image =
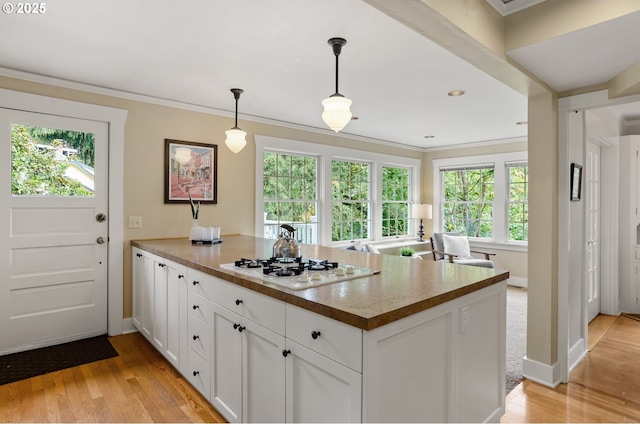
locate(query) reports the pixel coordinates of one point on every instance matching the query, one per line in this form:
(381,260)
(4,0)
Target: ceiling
(194,52)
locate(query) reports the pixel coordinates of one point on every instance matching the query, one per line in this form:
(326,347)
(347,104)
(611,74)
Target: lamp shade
(336,112)
(422,210)
(235,139)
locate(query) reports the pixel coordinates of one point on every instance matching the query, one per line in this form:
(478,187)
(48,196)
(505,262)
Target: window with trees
(346,194)
(518,213)
(395,201)
(289,191)
(351,205)
(468,200)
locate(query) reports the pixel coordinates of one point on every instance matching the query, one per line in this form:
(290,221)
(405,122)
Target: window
(290,195)
(518,213)
(468,200)
(351,207)
(485,197)
(333,195)
(395,201)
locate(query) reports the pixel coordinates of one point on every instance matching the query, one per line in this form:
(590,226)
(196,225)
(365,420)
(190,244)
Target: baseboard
(517,282)
(577,352)
(547,375)
(496,415)
(127,326)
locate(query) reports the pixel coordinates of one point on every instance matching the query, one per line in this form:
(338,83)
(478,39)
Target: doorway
(592,230)
(115,120)
(54,245)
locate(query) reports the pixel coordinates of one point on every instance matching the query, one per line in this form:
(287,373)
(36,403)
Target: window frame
(501,194)
(326,154)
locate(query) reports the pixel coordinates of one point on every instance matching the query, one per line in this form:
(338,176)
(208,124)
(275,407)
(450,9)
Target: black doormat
(21,365)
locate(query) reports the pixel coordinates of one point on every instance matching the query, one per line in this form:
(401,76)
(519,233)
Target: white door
(592,274)
(53,242)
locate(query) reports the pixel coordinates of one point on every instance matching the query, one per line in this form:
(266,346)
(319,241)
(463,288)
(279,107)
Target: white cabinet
(142,264)
(243,352)
(159,290)
(320,389)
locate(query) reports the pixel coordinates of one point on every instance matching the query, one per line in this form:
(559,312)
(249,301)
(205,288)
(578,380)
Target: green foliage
(395,201)
(37,172)
(350,184)
(83,142)
(468,201)
(407,251)
(518,203)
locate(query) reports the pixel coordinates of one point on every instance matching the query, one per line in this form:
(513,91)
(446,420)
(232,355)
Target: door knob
(101,217)
(100,240)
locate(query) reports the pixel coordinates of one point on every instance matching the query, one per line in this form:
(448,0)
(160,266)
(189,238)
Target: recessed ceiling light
(429,136)
(456,93)
(522,122)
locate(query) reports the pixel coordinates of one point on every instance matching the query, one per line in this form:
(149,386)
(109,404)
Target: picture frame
(190,168)
(576,181)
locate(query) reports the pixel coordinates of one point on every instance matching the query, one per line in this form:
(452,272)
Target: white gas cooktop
(307,278)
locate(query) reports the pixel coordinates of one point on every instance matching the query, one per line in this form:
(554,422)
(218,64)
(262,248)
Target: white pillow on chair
(456,245)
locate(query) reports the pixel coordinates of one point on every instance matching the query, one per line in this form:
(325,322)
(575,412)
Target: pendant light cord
(337,55)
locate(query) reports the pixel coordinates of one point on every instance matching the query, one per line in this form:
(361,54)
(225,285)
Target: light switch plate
(135,222)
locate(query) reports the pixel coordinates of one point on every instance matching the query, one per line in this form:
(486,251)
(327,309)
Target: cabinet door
(142,264)
(176,316)
(159,333)
(263,374)
(319,389)
(226,364)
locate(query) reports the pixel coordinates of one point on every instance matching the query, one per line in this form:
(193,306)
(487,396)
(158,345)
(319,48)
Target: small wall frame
(576,181)
(190,169)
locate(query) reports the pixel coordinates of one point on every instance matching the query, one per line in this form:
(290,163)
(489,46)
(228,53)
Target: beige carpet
(516,334)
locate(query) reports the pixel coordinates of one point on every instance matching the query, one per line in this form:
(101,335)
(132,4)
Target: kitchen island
(417,341)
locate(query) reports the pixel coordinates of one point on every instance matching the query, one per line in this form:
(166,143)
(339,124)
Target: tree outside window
(395,201)
(290,195)
(518,202)
(351,205)
(468,200)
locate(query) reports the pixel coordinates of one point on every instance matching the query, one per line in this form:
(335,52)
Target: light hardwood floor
(140,386)
(136,386)
(604,387)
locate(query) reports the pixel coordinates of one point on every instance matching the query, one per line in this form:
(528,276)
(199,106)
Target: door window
(51,162)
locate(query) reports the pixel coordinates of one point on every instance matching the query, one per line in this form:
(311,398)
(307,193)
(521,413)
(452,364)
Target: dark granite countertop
(403,287)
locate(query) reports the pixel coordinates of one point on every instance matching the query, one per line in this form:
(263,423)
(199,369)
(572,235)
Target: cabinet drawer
(199,334)
(199,373)
(333,339)
(260,308)
(200,283)
(200,307)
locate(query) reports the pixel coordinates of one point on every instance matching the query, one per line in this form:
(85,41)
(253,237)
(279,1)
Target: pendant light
(235,136)
(336,107)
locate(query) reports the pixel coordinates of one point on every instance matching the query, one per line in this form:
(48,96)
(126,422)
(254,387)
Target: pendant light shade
(235,136)
(337,113)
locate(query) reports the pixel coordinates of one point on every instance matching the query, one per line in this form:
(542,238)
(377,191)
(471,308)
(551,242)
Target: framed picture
(576,181)
(190,169)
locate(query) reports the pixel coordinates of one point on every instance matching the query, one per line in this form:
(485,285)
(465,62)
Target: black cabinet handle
(286,352)
(195,283)
(195,307)
(180,276)
(162,265)
(238,301)
(241,329)
(235,326)
(315,334)
(139,255)
(195,337)
(196,373)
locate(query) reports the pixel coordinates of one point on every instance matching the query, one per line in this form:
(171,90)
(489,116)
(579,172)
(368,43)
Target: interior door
(53,231)
(592,274)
